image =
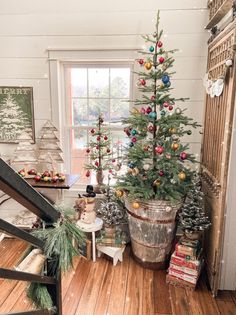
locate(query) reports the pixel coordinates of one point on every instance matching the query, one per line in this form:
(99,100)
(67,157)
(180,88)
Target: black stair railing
(17,188)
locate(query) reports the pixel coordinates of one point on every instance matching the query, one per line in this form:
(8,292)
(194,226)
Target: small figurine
(80,206)
(89,215)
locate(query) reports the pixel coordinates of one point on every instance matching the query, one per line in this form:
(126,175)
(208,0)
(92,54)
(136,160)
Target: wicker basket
(152,229)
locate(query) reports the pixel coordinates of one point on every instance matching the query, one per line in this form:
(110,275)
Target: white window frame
(61,58)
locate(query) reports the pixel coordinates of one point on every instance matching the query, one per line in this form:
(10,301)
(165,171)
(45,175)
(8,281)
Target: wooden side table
(91,228)
(115,252)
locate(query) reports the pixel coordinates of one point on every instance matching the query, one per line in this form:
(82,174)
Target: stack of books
(186,263)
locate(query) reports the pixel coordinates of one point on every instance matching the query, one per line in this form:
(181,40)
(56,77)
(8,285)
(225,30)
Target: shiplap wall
(28,28)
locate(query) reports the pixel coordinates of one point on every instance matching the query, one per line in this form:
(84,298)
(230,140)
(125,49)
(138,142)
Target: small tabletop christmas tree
(49,149)
(99,153)
(156,157)
(192,218)
(25,155)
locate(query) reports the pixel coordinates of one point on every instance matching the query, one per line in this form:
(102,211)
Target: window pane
(78,82)
(98,82)
(78,143)
(120,78)
(119,110)
(80,116)
(77,167)
(97,106)
(119,141)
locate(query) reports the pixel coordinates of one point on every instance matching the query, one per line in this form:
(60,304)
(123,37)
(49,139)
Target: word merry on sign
(16,91)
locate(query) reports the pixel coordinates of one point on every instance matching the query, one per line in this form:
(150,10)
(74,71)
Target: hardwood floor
(126,289)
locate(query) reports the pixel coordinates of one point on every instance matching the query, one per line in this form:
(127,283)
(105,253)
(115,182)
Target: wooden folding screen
(216,147)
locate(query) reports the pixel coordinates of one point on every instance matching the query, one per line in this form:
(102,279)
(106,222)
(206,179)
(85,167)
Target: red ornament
(113,160)
(159,44)
(46,174)
(87,174)
(161,173)
(148,110)
(153,98)
(143,110)
(159,149)
(183,155)
(134,139)
(55,179)
(108,150)
(98,138)
(92,130)
(141,62)
(110,171)
(165,104)
(37,178)
(97,163)
(97,147)
(161,59)
(87,150)
(142,82)
(170,107)
(105,137)
(151,128)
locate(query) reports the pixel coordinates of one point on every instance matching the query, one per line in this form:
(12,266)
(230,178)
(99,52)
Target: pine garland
(40,296)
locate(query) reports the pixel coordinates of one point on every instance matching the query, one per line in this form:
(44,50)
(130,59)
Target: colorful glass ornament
(96,163)
(166,104)
(159,44)
(183,155)
(92,130)
(142,82)
(163,113)
(131,165)
(178,111)
(170,107)
(148,110)
(119,193)
(152,115)
(161,59)
(87,174)
(134,132)
(151,49)
(87,150)
(148,65)
(135,171)
(105,138)
(189,132)
(174,146)
(108,150)
(172,130)
(159,149)
(161,173)
(151,128)
(131,144)
(134,110)
(182,175)
(157,182)
(98,138)
(135,205)
(134,139)
(143,110)
(141,62)
(165,79)
(153,98)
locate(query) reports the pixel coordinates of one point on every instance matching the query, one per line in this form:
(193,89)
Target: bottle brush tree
(157,157)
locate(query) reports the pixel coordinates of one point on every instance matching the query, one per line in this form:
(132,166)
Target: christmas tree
(99,152)
(157,160)
(49,149)
(12,120)
(192,217)
(25,155)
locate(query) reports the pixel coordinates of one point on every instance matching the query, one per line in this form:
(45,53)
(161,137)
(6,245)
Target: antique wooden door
(216,148)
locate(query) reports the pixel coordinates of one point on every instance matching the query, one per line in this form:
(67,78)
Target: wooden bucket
(152,229)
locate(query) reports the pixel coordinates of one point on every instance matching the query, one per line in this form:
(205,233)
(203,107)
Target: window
(90,90)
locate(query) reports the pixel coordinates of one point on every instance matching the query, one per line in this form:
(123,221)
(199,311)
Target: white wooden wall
(29,27)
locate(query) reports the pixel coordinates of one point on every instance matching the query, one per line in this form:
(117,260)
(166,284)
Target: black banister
(15,231)
(33,312)
(25,276)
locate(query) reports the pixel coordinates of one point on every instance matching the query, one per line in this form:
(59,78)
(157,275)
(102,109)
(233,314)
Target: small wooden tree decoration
(24,155)
(49,148)
(99,153)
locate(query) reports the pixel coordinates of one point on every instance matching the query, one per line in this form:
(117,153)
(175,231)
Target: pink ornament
(170,107)
(153,98)
(159,149)
(165,104)
(143,110)
(142,82)
(134,139)
(151,128)
(148,110)
(110,171)
(161,59)
(183,155)
(159,44)
(161,173)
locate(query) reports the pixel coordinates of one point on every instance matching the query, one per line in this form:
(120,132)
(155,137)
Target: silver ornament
(168,208)
(178,111)
(229,63)
(146,167)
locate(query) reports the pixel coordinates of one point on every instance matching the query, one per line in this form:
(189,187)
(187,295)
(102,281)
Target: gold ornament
(134,110)
(174,146)
(135,205)
(157,182)
(162,85)
(172,130)
(148,65)
(182,175)
(135,171)
(119,193)
(130,170)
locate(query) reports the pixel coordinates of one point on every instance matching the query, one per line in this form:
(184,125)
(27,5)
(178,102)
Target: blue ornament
(131,144)
(151,49)
(152,115)
(165,79)
(131,165)
(134,132)
(163,113)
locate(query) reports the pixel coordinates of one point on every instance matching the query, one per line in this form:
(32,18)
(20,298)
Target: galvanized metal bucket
(152,229)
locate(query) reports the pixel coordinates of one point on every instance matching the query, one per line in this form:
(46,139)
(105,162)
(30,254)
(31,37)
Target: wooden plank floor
(126,289)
